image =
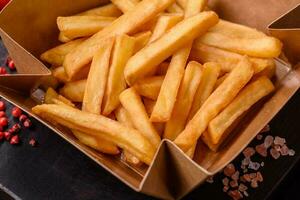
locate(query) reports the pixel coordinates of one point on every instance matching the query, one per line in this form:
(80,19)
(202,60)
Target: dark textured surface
(56,170)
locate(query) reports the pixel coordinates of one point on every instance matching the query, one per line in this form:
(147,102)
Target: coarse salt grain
(248,152)
(291,152)
(261,150)
(229,170)
(268,141)
(275,154)
(280,141)
(284,151)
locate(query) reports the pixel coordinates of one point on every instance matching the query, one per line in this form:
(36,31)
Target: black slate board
(56,170)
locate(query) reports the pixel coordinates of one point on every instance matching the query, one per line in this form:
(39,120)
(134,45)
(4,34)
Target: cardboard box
(28,28)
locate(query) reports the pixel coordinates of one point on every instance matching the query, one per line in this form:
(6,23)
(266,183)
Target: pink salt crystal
(225,188)
(254,165)
(291,152)
(246,194)
(225,181)
(277,147)
(248,152)
(262,164)
(261,150)
(259,137)
(236,176)
(252,175)
(242,187)
(259,177)
(210,179)
(254,184)
(284,151)
(229,170)
(268,141)
(275,154)
(235,194)
(279,141)
(246,161)
(233,184)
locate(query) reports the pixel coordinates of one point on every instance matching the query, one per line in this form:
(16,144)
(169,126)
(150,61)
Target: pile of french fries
(135,72)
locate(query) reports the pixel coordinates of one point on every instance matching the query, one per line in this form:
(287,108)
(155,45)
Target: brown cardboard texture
(28,28)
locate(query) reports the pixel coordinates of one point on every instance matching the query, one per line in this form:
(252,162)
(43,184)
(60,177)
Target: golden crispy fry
(162,69)
(149,87)
(264,47)
(82,26)
(63,38)
(221,80)
(97,79)
(186,93)
(123,50)
(96,143)
(56,55)
(164,23)
(210,75)
(51,96)
(74,90)
(243,101)
(174,8)
(109,10)
(228,60)
(132,102)
(153,54)
(217,101)
(126,24)
(126,138)
(125,5)
(141,40)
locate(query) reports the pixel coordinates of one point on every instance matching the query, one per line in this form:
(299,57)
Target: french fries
(51,95)
(149,87)
(127,23)
(126,138)
(56,55)
(244,100)
(211,73)
(125,5)
(186,93)
(217,101)
(164,23)
(60,74)
(74,90)
(109,10)
(228,60)
(97,79)
(153,54)
(82,26)
(174,8)
(141,40)
(131,101)
(122,51)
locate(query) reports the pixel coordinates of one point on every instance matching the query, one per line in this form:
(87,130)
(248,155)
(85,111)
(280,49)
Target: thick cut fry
(126,24)
(162,69)
(74,90)
(109,10)
(125,5)
(97,79)
(181,34)
(163,24)
(174,8)
(264,47)
(134,105)
(96,143)
(187,90)
(149,87)
(217,101)
(141,40)
(123,50)
(228,60)
(210,75)
(56,55)
(244,100)
(63,38)
(126,138)
(82,26)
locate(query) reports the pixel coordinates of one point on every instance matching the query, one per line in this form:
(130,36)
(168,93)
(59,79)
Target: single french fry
(186,93)
(56,55)
(132,102)
(97,79)
(163,24)
(125,5)
(109,10)
(174,8)
(243,101)
(126,24)
(82,26)
(156,52)
(221,80)
(228,60)
(210,75)
(215,103)
(263,47)
(122,51)
(62,38)
(149,87)
(92,124)
(96,143)
(141,40)
(60,74)
(74,90)
(162,69)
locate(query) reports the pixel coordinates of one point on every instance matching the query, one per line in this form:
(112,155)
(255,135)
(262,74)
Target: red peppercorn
(11,65)
(16,112)
(22,118)
(15,128)
(32,142)
(2,106)
(2,71)
(1,136)
(7,135)
(3,121)
(2,114)
(15,140)
(27,123)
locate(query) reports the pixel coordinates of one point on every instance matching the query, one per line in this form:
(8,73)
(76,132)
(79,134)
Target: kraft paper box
(28,28)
